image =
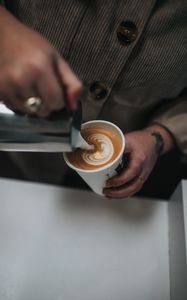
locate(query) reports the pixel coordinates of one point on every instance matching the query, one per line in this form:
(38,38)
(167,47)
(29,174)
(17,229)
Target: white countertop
(65,244)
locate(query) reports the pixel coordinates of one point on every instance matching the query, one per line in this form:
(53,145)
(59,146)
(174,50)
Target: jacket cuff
(177,126)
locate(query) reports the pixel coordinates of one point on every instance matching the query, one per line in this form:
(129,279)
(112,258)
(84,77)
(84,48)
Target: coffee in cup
(104,160)
(106,147)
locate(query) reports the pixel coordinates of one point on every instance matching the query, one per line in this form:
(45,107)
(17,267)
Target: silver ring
(33,104)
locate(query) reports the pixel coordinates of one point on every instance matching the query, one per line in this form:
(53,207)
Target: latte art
(106,148)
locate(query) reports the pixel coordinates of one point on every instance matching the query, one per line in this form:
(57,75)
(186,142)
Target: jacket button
(98,90)
(127,32)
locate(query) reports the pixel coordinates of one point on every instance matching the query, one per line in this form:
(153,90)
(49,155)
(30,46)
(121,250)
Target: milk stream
(81,143)
(104,150)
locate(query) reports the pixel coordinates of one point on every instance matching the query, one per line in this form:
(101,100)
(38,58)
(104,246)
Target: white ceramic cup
(96,178)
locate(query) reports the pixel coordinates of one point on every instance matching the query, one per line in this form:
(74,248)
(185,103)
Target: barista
(132,58)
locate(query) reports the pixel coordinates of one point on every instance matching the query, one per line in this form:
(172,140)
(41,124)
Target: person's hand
(140,146)
(31,67)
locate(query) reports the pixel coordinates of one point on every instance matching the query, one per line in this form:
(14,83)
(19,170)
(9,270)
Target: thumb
(71,84)
(128,144)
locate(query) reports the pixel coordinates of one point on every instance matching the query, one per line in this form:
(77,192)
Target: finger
(42,111)
(70,82)
(12,102)
(128,173)
(7,103)
(29,92)
(7,95)
(50,91)
(11,84)
(15,93)
(127,190)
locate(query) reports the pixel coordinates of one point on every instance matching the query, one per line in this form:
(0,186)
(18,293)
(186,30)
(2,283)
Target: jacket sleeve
(173,116)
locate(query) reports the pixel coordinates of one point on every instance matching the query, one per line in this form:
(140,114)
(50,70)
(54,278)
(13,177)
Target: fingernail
(73,105)
(72,100)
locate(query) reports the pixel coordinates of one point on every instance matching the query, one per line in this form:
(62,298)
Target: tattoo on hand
(159,145)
